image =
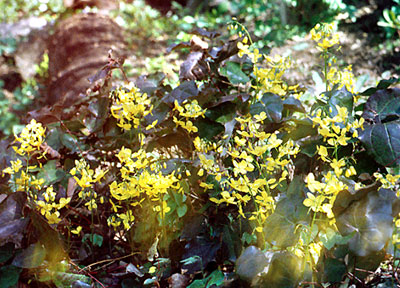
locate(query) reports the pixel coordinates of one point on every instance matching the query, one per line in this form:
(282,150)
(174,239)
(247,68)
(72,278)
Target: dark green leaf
(9,276)
(382,141)
(95,120)
(334,270)
(284,271)
(382,105)
(6,252)
(71,142)
(222,113)
(271,104)
(251,262)
(62,279)
(12,224)
(341,98)
(293,104)
(371,221)
(31,257)
(208,129)
(234,73)
(187,89)
(50,173)
(383,84)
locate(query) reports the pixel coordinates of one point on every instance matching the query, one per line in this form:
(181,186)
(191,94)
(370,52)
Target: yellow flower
(313,202)
(30,139)
(323,152)
(77,230)
(337,166)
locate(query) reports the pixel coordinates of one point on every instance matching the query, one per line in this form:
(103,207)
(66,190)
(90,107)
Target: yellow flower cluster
(48,206)
(30,139)
(189,110)
(22,178)
(270,79)
(325,36)
(335,129)
(250,152)
(87,179)
(389,181)
(142,179)
(130,107)
(342,79)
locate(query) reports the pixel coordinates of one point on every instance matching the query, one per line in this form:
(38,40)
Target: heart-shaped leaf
(31,257)
(187,89)
(370,220)
(12,224)
(234,73)
(271,104)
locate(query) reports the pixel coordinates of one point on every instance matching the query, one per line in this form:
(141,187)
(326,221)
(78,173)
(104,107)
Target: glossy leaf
(382,141)
(280,226)
(9,276)
(293,104)
(284,271)
(50,173)
(12,224)
(341,98)
(250,263)
(186,90)
(370,220)
(382,105)
(31,257)
(234,73)
(271,104)
(383,84)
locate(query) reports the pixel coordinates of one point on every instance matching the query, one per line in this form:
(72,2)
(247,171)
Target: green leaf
(271,104)
(382,141)
(62,279)
(341,98)
(284,271)
(50,173)
(97,116)
(12,224)
(293,104)
(31,257)
(234,73)
(370,220)
(382,105)
(208,129)
(9,276)
(251,262)
(96,239)
(381,137)
(334,270)
(280,226)
(71,142)
(187,89)
(215,278)
(383,84)
(222,113)
(181,210)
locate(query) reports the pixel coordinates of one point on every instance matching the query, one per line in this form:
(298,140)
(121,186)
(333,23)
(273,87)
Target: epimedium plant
(185,178)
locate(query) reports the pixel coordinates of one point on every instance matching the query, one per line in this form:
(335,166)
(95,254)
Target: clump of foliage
(17,9)
(390,20)
(146,181)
